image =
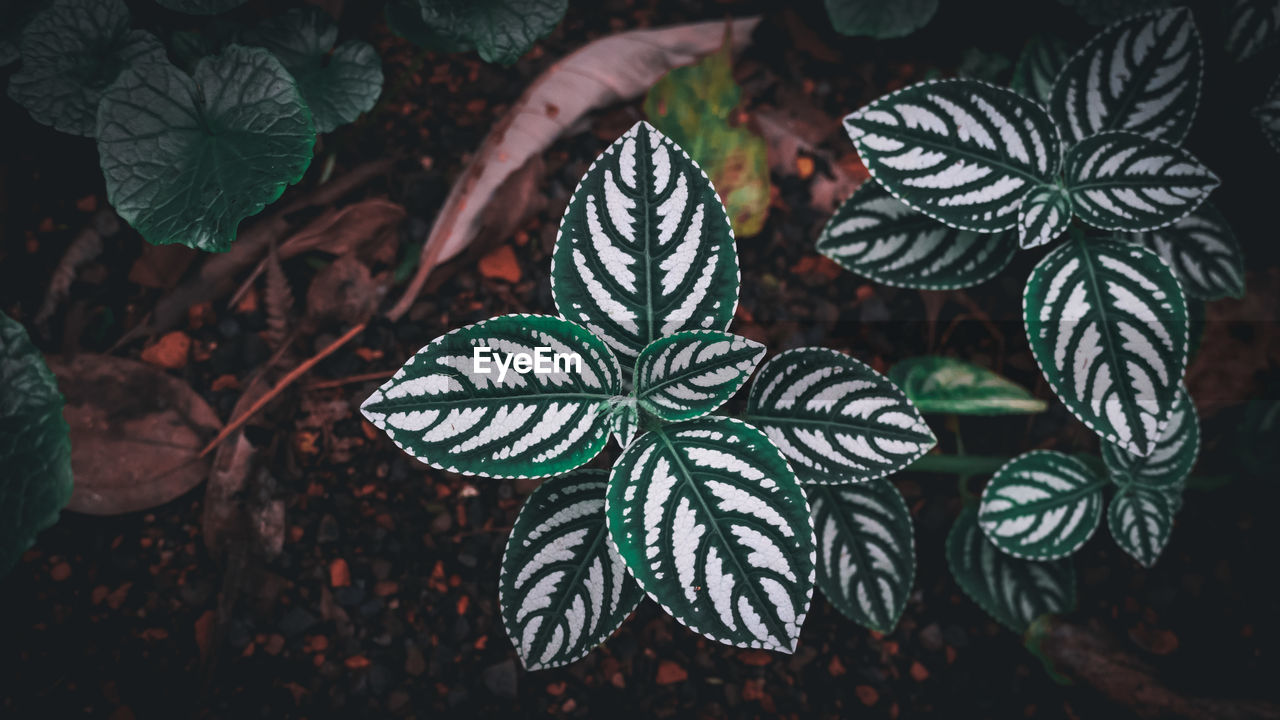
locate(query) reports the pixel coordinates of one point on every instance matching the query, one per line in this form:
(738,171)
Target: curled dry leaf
(344,291)
(85,248)
(796,130)
(136,433)
(611,70)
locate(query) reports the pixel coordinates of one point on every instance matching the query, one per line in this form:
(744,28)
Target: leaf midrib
(927,141)
(855,549)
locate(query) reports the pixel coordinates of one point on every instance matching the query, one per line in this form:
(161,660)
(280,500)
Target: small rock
(670,672)
(931,637)
(501,264)
(501,679)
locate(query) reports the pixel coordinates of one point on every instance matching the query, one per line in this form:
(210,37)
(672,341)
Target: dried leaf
(344,291)
(136,433)
(83,249)
(278,299)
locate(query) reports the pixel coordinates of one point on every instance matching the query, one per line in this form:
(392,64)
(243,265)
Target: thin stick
(279,387)
(350,379)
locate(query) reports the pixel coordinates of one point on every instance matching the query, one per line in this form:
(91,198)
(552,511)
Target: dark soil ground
(116,616)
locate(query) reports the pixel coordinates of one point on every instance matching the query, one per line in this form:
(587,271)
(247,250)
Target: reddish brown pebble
(670,673)
(60,572)
(501,264)
(169,352)
(339,573)
(918,672)
(356,662)
(867,695)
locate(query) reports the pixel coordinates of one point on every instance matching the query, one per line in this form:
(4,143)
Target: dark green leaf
(946,385)
(35,450)
(405,19)
(879,19)
(691,373)
(71,53)
(14,16)
(1042,58)
(1203,252)
(501,30)
(186,158)
(1042,505)
(1101,12)
(1141,520)
(1043,215)
(1252,25)
(1268,115)
(201,7)
(1174,455)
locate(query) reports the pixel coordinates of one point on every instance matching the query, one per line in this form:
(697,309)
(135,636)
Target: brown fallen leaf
(670,673)
(343,291)
(795,131)
(162,266)
(136,433)
(169,352)
(501,264)
(608,71)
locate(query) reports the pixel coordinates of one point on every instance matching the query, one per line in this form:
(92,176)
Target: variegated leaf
(1107,324)
(1013,591)
(878,236)
(1251,26)
(625,420)
(961,151)
(1268,115)
(1043,215)
(691,373)
(1139,75)
(1141,520)
(947,385)
(866,551)
(1042,58)
(1041,505)
(1174,455)
(563,589)
(645,249)
(459,414)
(712,523)
(1122,181)
(1203,252)
(836,420)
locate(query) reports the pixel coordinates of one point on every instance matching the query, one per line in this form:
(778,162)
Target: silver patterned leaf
(1171,460)
(1122,181)
(645,249)
(1141,520)
(880,237)
(1043,215)
(1139,75)
(713,525)
(836,420)
(1251,26)
(563,589)
(1203,252)
(1268,115)
(691,373)
(866,550)
(1042,58)
(961,151)
(1041,505)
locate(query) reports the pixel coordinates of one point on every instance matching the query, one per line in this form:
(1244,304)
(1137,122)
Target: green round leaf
(1107,324)
(691,373)
(1122,181)
(946,385)
(1203,252)
(459,409)
(878,19)
(1252,25)
(644,249)
(1268,115)
(71,52)
(14,16)
(1173,457)
(405,19)
(1042,58)
(867,552)
(1013,591)
(35,450)
(1042,505)
(186,158)
(338,83)
(563,589)
(836,420)
(961,151)
(501,30)
(713,525)
(201,7)
(875,235)
(1140,75)
(1043,215)
(1141,520)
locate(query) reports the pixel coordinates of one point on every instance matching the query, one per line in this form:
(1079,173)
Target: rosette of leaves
(71,52)
(500,30)
(187,157)
(35,450)
(964,169)
(707,515)
(338,82)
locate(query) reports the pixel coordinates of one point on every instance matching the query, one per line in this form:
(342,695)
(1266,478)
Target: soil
(383,602)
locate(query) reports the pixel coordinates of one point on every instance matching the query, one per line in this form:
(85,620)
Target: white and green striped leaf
(1044,214)
(691,373)
(1013,591)
(563,589)
(1041,505)
(961,151)
(445,410)
(836,420)
(1122,181)
(1203,252)
(866,551)
(1107,324)
(1139,75)
(625,421)
(878,236)
(1174,455)
(1252,25)
(1042,58)
(946,385)
(645,249)
(713,525)
(1268,114)
(1141,520)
